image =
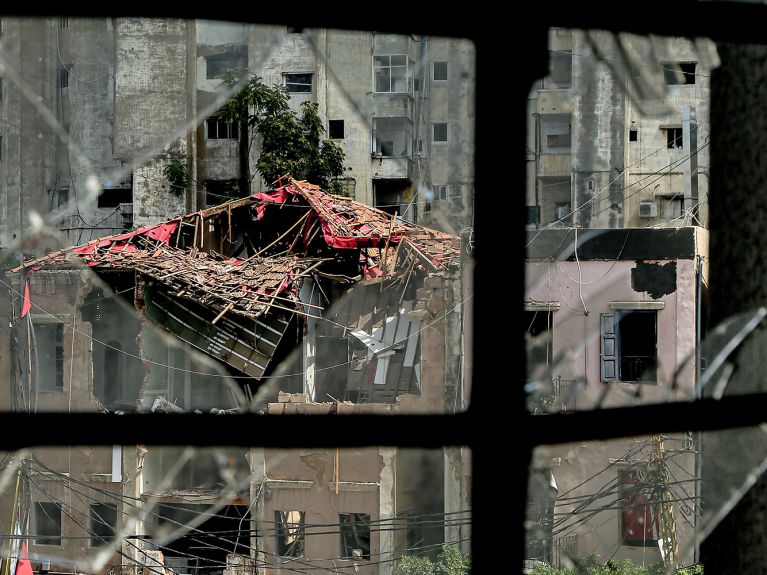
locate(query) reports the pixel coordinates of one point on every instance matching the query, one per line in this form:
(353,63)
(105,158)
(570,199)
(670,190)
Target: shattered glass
(618,137)
(150,267)
(617,311)
(221,510)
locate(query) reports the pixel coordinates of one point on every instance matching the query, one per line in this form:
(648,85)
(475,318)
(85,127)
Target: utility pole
(669,544)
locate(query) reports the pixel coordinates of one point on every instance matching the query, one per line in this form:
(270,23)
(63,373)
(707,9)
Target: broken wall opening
(203,550)
(392,195)
(420,501)
(117,369)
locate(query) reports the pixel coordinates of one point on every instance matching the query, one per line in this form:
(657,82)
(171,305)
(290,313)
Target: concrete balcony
(392,167)
(553,102)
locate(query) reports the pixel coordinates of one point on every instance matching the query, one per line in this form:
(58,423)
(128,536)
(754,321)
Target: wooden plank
(223,311)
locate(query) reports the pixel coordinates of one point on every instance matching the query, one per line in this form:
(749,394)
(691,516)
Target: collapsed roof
(247,258)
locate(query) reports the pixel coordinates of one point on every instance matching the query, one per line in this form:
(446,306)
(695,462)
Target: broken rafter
(306,215)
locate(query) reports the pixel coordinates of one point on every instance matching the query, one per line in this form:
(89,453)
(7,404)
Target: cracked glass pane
(201,216)
(213,511)
(179,234)
(646,500)
(616,289)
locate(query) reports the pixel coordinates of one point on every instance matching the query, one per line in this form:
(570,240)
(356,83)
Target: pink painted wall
(585,294)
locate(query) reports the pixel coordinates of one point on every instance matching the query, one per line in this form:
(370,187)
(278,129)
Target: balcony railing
(561,397)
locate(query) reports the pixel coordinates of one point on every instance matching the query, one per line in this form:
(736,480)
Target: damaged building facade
(610,320)
(287,301)
(120,99)
(618,132)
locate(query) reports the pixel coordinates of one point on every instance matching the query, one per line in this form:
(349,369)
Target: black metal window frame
(485,426)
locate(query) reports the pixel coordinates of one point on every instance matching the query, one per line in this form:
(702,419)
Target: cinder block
(298,398)
(283,396)
(275,408)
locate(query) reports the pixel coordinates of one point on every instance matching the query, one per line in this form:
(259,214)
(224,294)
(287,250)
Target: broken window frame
(47,523)
(103,523)
(217,129)
(388,75)
(297,83)
(216,65)
(673,137)
(731,21)
(442,66)
(614,363)
(57,353)
(353,530)
(285,530)
(401,128)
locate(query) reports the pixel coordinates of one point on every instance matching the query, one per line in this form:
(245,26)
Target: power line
(670,165)
(280,376)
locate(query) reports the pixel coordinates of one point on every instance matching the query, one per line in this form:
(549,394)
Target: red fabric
(341,242)
(159,232)
(23,567)
(163,232)
(27,303)
(278,196)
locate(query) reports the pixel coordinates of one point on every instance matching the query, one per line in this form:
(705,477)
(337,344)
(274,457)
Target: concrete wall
(57,298)
(27,164)
(588,469)
(649,154)
(604,107)
(598,110)
(450,101)
(304,480)
(576,336)
(349,59)
(153,99)
(341,63)
(217,159)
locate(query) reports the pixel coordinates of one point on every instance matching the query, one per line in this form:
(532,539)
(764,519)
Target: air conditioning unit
(648,209)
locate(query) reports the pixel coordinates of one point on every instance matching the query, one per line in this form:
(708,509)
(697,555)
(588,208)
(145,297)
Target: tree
(290,143)
(449,562)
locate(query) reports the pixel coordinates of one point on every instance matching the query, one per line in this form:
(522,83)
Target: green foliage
(290,143)
(175,173)
(590,565)
(449,562)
